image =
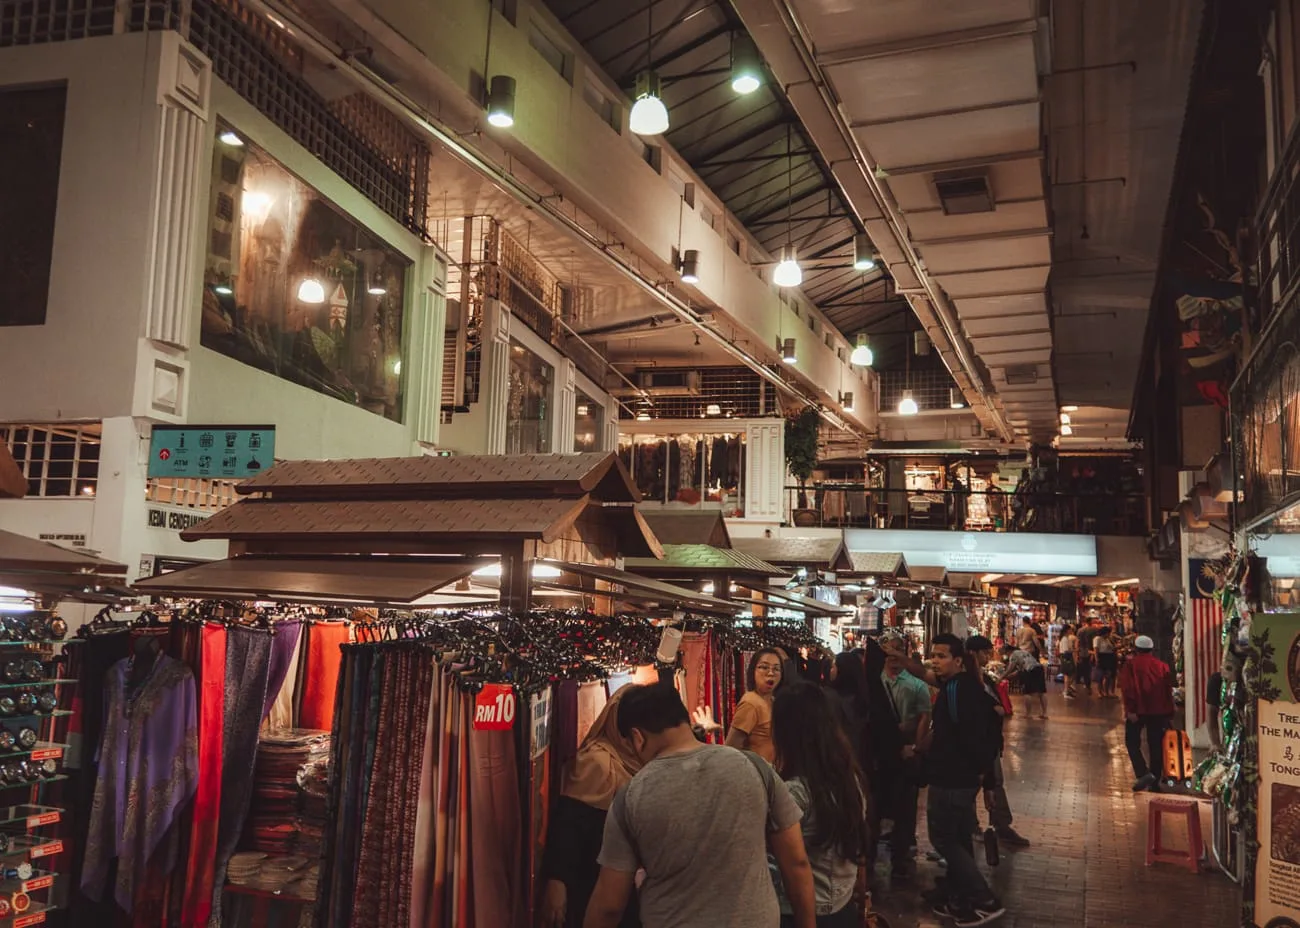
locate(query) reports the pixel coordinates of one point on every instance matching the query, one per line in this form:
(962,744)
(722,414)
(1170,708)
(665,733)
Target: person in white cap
(1146,686)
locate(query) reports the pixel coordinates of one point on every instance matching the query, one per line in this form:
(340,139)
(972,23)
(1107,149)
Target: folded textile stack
(287,816)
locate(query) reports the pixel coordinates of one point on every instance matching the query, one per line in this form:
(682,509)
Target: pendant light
(788,273)
(746,66)
(649,116)
(788,354)
(312,291)
(376,286)
(907,406)
(690,271)
(864,257)
(846,401)
(955,399)
(862,355)
(713,409)
(501,102)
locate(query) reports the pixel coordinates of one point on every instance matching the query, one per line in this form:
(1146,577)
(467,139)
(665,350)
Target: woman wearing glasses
(751,726)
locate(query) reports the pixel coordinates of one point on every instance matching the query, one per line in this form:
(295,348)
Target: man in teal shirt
(909,699)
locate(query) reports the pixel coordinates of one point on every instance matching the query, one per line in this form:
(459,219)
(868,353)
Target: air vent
(964,192)
(667,383)
(1021,374)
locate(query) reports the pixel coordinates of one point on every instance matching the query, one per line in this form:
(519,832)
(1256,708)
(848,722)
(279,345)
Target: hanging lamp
(649,116)
(862,355)
(788,273)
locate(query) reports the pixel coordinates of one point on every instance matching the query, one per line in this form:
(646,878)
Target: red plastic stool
(1191,811)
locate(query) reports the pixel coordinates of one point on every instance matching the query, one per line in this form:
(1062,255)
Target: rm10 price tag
(494,708)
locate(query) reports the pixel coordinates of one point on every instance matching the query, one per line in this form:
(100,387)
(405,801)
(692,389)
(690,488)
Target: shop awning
(67,585)
(644,588)
(18,552)
(798,551)
(964,582)
(688,526)
(788,599)
(393,580)
(879,563)
(704,559)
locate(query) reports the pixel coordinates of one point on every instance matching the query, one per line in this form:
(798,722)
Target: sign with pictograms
(232,452)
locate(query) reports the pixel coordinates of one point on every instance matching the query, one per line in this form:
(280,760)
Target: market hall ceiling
(951,131)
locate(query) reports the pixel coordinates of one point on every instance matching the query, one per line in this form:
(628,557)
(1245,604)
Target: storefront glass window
(528,416)
(705,470)
(296,287)
(588,420)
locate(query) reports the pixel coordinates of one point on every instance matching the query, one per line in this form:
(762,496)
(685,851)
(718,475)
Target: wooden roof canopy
(689,527)
(799,551)
(465,504)
(59,573)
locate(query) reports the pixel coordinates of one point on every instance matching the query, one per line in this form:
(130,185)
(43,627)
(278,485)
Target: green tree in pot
(801,432)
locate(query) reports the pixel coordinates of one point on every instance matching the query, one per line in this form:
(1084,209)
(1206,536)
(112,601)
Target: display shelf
(30,783)
(278,894)
(54,714)
(42,751)
(33,916)
(39,881)
(31,643)
(34,816)
(32,684)
(32,846)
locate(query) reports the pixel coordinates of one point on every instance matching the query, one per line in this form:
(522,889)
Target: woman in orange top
(751,727)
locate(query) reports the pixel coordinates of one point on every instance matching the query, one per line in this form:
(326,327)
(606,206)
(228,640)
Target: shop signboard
(494,708)
(1277,866)
(982,552)
(541,722)
(230,452)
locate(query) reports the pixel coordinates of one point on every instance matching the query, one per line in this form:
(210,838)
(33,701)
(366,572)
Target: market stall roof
(704,559)
(431,520)
(396,580)
(788,599)
(965,582)
(13,485)
(933,575)
(688,526)
(797,551)
(879,563)
(644,588)
(598,474)
(18,553)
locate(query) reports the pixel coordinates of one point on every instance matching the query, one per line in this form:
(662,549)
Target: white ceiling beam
(927,42)
(935,114)
(960,164)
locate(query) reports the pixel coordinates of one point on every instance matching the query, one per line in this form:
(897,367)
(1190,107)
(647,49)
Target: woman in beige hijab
(605,762)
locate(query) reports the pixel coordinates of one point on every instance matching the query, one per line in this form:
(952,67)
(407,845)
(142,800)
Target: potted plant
(801,432)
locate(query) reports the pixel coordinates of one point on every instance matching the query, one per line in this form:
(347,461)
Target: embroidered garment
(148,770)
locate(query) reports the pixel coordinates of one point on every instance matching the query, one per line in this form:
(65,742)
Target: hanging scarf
(605,760)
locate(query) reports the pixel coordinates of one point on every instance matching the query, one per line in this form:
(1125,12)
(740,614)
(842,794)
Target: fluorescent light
(746,66)
(540,571)
(907,405)
(223,289)
(862,355)
(1065,418)
(864,258)
(788,273)
(1050,580)
(1066,431)
(649,116)
(1069,409)
(1131,581)
(501,102)
(311,290)
(231,139)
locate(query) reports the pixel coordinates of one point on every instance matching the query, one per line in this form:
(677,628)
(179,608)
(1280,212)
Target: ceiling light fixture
(223,287)
(955,399)
(713,409)
(230,138)
(1066,431)
(788,273)
(1069,409)
(501,102)
(649,116)
(907,406)
(788,354)
(690,271)
(643,416)
(846,401)
(311,290)
(862,355)
(1065,418)
(376,286)
(746,65)
(864,258)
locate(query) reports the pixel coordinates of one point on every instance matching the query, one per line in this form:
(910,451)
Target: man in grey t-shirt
(698,819)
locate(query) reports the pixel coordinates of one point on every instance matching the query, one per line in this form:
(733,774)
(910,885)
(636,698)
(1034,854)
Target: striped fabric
(1207,651)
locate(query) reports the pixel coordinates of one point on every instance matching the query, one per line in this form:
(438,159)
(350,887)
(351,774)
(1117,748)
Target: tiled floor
(1068,780)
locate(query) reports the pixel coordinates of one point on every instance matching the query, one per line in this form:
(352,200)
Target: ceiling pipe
(934,304)
(402,106)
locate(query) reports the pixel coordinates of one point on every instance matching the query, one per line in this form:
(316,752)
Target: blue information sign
(228,451)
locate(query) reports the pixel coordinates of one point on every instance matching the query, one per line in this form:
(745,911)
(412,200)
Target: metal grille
(523,283)
(736,392)
(355,137)
(57,460)
(1266,413)
(929,388)
(191,492)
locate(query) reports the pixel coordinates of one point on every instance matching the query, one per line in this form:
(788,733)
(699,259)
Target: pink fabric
(197,908)
(495,832)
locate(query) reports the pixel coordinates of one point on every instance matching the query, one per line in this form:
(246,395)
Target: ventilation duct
(1019,375)
(964,192)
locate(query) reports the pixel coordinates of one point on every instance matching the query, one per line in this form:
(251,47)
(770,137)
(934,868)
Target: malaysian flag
(1207,640)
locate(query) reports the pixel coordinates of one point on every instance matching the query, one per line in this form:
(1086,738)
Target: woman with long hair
(815,760)
(852,705)
(751,725)
(605,762)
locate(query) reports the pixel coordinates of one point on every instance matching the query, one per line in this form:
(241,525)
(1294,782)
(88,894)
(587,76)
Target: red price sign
(494,708)
(45,818)
(46,850)
(41,882)
(47,754)
(36,918)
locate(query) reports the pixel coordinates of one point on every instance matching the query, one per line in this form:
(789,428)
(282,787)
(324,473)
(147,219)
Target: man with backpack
(960,752)
(698,819)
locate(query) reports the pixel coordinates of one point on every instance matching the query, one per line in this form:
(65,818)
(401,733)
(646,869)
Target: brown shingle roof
(481,476)
(704,559)
(688,526)
(823,553)
(883,563)
(18,552)
(499,518)
(928,574)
